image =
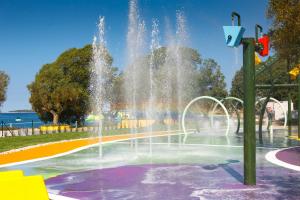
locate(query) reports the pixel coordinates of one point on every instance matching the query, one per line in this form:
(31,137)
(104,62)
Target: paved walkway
(55,148)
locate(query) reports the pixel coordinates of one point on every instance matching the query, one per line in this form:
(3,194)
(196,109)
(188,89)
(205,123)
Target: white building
(279,114)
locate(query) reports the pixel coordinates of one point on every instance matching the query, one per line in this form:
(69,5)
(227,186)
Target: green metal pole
(298,106)
(249,112)
(289,118)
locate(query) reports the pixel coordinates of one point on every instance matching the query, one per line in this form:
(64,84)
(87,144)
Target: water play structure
(260,44)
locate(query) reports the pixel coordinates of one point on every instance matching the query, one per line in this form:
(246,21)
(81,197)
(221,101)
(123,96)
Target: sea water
(20,120)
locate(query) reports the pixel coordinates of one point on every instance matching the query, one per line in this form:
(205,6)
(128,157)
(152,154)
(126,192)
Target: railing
(266,65)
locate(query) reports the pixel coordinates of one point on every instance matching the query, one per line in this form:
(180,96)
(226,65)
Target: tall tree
(60,91)
(165,62)
(4,80)
(237,85)
(118,94)
(211,80)
(284,32)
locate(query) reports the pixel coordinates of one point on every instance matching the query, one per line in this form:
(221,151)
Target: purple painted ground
(291,156)
(177,182)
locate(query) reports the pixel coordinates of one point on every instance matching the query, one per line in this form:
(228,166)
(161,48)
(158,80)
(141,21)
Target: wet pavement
(222,181)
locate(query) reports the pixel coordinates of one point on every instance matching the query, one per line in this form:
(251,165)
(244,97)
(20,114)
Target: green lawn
(9,143)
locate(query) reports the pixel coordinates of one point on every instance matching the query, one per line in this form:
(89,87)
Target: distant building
(278,113)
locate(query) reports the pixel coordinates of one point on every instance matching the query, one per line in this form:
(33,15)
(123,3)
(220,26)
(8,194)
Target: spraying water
(168,77)
(151,109)
(181,36)
(98,81)
(135,47)
(150,87)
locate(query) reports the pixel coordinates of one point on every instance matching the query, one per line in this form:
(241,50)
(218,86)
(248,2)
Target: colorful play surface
(213,181)
(53,149)
(206,167)
(294,137)
(290,156)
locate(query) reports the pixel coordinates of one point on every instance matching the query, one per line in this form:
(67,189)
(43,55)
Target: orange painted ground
(51,149)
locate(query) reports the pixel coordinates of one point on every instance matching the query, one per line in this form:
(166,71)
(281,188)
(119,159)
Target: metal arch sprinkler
(197,99)
(294,74)
(281,107)
(222,100)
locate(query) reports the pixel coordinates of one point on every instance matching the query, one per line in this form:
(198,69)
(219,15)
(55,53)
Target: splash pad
(208,164)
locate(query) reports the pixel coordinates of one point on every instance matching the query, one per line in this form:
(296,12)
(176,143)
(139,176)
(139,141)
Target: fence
(8,131)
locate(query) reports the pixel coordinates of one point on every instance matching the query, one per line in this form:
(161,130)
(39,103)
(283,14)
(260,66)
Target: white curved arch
(281,106)
(200,98)
(226,98)
(233,98)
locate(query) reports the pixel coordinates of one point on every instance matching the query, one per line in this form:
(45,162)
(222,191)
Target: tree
(284,32)
(60,91)
(118,94)
(237,85)
(211,81)
(164,62)
(177,69)
(276,74)
(4,80)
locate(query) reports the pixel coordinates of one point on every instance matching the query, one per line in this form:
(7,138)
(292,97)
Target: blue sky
(35,32)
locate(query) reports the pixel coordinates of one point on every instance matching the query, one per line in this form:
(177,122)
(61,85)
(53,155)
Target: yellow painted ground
(294,137)
(51,149)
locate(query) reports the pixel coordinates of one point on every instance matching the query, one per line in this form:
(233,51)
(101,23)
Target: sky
(36,32)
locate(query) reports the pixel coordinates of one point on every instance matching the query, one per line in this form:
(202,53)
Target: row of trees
(61,90)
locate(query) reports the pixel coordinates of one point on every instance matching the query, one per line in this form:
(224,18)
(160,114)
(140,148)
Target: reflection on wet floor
(209,167)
